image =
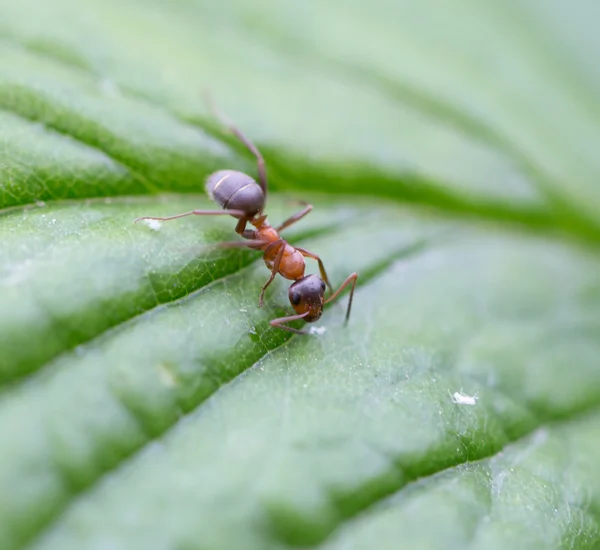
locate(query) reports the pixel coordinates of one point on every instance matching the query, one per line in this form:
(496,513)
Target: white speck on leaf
(460,398)
(242,310)
(155,225)
(317,330)
(167,377)
(109,87)
(540,436)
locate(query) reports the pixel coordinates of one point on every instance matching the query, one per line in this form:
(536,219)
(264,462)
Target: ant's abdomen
(235,191)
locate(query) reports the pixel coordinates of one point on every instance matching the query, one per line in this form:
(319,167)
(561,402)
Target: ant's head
(308,295)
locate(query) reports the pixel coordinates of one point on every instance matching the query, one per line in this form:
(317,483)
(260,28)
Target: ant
(241,197)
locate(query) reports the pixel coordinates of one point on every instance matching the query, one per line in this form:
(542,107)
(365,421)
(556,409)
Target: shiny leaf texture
(449,149)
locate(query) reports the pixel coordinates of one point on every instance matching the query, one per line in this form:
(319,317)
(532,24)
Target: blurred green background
(474,102)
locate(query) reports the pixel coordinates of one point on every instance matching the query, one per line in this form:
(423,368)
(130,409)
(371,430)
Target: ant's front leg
(351,279)
(278,323)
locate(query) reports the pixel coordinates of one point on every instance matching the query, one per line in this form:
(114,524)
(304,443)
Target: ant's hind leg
(351,279)
(236,213)
(260,161)
(310,254)
(296,217)
(278,323)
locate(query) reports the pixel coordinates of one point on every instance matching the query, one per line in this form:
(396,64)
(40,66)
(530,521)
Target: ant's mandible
(241,197)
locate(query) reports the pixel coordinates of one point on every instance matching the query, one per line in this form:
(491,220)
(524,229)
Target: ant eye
(322,285)
(295,299)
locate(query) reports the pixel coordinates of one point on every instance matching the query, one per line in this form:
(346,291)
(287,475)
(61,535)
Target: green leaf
(450,152)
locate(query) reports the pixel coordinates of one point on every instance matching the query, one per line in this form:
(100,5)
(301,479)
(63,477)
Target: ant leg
(309,254)
(351,279)
(236,213)
(279,323)
(240,227)
(254,244)
(260,161)
(275,269)
(296,217)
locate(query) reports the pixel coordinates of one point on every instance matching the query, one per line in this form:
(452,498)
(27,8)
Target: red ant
(241,197)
